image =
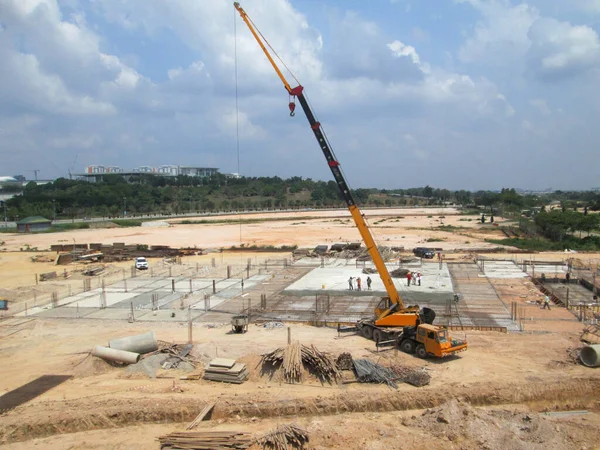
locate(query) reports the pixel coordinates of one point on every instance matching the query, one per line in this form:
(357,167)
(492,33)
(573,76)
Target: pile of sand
(472,428)
(90,366)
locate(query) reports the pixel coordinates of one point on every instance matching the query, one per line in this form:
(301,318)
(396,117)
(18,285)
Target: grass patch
(127,222)
(435,240)
(591,243)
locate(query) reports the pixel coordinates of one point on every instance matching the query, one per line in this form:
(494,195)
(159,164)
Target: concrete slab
(502,269)
(66,313)
(166,315)
(111,314)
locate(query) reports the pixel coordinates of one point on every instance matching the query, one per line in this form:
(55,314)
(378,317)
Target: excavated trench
(45,419)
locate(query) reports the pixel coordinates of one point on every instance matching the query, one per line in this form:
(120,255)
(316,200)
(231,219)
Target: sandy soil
(408,228)
(497,370)
(503,380)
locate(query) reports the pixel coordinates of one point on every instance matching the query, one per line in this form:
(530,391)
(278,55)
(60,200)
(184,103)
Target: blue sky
(462,94)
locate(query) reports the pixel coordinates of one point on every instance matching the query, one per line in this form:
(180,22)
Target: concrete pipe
(142,343)
(110,354)
(590,355)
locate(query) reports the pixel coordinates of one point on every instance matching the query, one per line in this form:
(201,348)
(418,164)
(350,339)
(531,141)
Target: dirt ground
(495,395)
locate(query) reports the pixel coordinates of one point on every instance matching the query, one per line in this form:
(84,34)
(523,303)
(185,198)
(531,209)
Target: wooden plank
(208,408)
(223,362)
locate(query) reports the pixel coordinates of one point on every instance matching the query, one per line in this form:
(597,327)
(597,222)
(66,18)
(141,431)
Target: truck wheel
(420,351)
(367,332)
(377,335)
(407,346)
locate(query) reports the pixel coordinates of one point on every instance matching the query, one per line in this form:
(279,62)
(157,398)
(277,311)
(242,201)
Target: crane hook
(292,106)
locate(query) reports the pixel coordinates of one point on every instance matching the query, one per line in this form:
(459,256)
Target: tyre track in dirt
(50,418)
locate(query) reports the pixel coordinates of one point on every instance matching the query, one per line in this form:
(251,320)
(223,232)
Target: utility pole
(5,219)
(124,206)
(54,208)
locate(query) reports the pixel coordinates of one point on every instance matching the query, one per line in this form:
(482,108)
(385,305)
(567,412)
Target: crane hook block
(292,106)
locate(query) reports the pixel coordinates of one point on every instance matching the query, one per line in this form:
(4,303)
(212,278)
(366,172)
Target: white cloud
(561,50)
(541,105)
(518,36)
(501,36)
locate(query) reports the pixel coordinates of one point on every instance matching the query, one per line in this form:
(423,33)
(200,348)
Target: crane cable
(273,50)
(237,111)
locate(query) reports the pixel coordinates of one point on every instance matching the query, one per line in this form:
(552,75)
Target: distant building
(8,180)
(32,224)
(168,171)
(201,172)
(96,173)
(144,169)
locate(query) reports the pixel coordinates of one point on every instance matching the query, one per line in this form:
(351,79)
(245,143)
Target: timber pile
(294,356)
(205,440)
(285,437)
(226,370)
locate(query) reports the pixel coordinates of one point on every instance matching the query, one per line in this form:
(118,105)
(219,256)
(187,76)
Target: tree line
(149,194)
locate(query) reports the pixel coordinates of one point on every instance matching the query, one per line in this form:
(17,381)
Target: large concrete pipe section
(141,343)
(110,354)
(590,355)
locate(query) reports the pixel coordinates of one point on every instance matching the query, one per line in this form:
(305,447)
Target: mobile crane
(410,327)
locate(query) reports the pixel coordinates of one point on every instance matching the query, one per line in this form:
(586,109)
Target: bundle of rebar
(205,440)
(285,437)
(294,355)
(369,372)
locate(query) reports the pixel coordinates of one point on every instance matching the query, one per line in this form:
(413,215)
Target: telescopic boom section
(334,165)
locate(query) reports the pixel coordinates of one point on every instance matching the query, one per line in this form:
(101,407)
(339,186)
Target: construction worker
(419,278)
(568,277)
(358,284)
(369,283)
(350,284)
(546,302)
(408,277)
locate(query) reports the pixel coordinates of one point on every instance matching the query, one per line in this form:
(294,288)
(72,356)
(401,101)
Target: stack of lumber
(205,440)
(226,370)
(284,437)
(292,358)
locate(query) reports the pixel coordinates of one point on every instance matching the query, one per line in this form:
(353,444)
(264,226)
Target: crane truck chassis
(410,326)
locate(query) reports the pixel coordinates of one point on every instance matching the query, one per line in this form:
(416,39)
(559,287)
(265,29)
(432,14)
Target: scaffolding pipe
(110,354)
(590,355)
(141,343)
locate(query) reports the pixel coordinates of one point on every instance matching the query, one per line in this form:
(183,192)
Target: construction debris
(344,362)
(295,355)
(93,271)
(591,334)
(226,371)
(205,440)
(284,437)
(399,273)
(369,372)
(200,417)
(415,377)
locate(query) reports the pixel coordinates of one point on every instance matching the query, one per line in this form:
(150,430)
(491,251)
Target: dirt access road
(393,227)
